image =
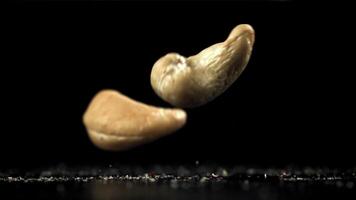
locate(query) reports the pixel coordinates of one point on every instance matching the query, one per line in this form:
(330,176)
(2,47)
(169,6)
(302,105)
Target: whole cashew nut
(198,79)
(116,122)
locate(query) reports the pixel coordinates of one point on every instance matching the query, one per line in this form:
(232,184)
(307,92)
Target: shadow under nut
(115,122)
(196,80)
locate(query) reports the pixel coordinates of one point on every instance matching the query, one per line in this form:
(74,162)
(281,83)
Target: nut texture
(116,122)
(196,80)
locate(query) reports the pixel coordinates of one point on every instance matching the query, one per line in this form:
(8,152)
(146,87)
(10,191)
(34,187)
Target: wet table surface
(178,182)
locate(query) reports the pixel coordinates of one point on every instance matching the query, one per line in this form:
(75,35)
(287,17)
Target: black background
(293,104)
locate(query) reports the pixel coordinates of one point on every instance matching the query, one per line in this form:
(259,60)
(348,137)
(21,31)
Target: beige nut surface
(116,122)
(198,79)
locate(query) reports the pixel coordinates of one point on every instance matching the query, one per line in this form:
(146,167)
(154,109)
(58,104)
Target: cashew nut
(116,122)
(198,79)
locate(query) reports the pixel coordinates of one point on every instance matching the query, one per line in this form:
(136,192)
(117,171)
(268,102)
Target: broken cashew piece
(116,122)
(196,80)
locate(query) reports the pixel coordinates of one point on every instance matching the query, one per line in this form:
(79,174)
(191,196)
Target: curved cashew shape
(198,79)
(116,122)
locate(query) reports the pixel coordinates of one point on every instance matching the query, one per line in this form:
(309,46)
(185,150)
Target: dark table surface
(196,181)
